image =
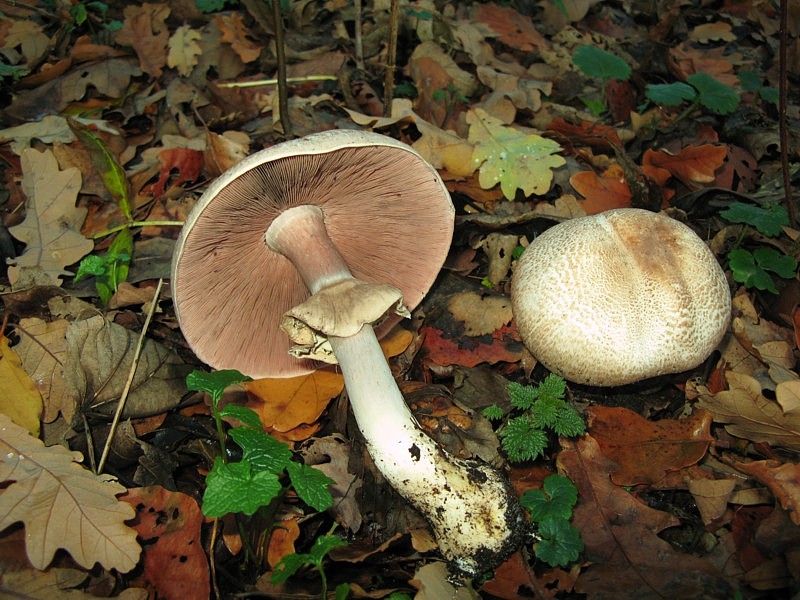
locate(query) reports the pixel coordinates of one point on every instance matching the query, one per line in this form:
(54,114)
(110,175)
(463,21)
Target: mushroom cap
(619,297)
(385,209)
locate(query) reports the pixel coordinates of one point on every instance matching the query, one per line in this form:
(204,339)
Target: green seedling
(550,508)
(600,64)
(701,90)
(751,82)
(537,411)
(290,564)
(14,72)
(109,270)
(754,269)
(257,479)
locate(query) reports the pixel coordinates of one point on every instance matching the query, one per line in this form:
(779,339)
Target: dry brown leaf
(30,38)
(145,30)
(713,32)
(510,27)
(56,584)
(183,50)
(62,504)
(281,541)
(99,356)
(284,404)
(481,314)
(19,398)
(235,33)
(433,583)
(782,479)
(711,496)
(747,414)
(691,164)
(51,229)
(42,349)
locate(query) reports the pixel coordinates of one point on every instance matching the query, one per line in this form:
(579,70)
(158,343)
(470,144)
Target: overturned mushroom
(619,297)
(362,222)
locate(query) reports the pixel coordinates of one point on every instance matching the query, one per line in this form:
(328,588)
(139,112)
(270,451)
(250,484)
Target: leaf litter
(699,470)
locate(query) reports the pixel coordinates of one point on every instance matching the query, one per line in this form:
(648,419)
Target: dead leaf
(433,583)
(713,32)
(183,50)
(51,229)
(19,399)
(29,37)
(62,504)
(444,348)
(782,479)
(235,33)
(187,163)
(144,29)
(284,404)
(281,541)
(601,193)
(174,562)
(646,451)
(711,497)
(692,164)
(481,314)
(57,584)
(626,557)
(747,414)
(99,356)
(42,349)
(510,27)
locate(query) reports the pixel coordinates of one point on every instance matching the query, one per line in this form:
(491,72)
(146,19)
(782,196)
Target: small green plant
(14,72)
(701,89)
(550,508)
(451,97)
(754,269)
(537,410)
(257,479)
(290,564)
(751,82)
(109,270)
(602,65)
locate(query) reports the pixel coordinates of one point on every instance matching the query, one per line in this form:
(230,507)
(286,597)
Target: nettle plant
(537,413)
(755,269)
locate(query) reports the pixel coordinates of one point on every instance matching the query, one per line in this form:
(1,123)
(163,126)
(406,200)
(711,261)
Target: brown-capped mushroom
(619,297)
(318,236)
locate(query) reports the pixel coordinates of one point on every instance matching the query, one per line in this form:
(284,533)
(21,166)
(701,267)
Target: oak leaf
(30,38)
(51,229)
(235,33)
(782,479)
(692,164)
(184,50)
(145,30)
(63,505)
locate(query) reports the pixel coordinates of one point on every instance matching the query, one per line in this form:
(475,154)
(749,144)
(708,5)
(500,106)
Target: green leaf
(769,94)
(750,80)
(261,450)
(595,62)
(322,546)
(553,386)
(713,94)
(569,423)
(214,383)
(670,94)
(556,499)
(750,268)
(16,72)
(521,440)
(242,414)
(90,266)
(288,566)
(515,159)
(768,219)
(210,6)
(234,488)
(546,411)
(342,591)
(561,543)
(493,412)
(772,260)
(522,396)
(311,485)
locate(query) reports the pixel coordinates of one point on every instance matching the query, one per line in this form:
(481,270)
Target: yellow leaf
(184,50)
(19,399)
(514,158)
(289,402)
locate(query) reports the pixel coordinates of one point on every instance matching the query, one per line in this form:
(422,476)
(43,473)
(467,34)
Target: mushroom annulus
(619,297)
(320,236)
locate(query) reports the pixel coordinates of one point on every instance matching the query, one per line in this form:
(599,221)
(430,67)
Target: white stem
(475,517)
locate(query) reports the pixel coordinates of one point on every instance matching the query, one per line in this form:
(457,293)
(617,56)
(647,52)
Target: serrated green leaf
(515,159)
(556,499)
(713,94)
(561,543)
(261,450)
(595,62)
(552,386)
(311,485)
(670,94)
(521,440)
(768,219)
(770,259)
(214,383)
(569,423)
(234,487)
(493,412)
(242,414)
(521,396)
(546,410)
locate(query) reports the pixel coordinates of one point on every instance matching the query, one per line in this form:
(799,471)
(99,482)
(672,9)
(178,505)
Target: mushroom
(619,297)
(319,236)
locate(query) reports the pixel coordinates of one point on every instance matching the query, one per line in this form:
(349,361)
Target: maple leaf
(184,50)
(51,229)
(514,158)
(62,504)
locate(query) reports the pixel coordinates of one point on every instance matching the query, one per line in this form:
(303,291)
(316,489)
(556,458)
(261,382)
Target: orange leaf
(595,135)
(145,30)
(281,542)
(188,163)
(237,35)
(782,479)
(693,163)
(503,345)
(512,28)
(645,451)
(600,193)
(284,404)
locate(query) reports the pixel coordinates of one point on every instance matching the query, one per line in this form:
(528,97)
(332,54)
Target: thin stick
(391,58)
(263,82)
(358,41)
(283,88)
(127,389)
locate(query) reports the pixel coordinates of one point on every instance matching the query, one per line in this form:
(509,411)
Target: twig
(263,82)
(127,389)
(783,128)
(280,53)
(358,42)
(391,58)
(107,232)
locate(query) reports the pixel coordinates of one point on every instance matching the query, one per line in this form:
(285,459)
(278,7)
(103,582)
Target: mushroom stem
(472,510)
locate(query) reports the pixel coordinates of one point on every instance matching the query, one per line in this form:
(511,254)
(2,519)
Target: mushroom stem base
(471,508)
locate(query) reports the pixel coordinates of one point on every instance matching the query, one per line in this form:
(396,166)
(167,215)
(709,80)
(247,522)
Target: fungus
(619,297)
(320,236)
